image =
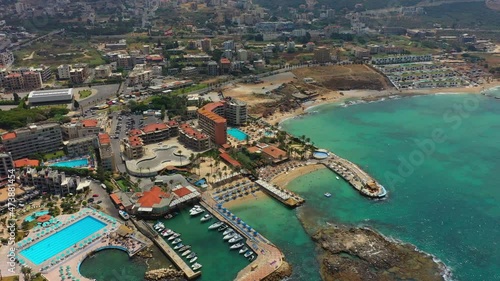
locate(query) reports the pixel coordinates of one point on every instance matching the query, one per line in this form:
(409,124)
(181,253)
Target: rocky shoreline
(362,254)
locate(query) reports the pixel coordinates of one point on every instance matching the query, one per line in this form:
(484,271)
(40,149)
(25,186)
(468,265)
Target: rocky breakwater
(363,254)
(164,274)
(284,271)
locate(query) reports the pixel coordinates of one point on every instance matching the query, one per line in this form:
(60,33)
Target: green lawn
(123,184)
(84,93)
(54,155)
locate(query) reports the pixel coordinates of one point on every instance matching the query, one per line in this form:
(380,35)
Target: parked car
(95,195)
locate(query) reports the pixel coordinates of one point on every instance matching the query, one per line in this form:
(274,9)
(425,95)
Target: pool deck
(269,257)
(50,269)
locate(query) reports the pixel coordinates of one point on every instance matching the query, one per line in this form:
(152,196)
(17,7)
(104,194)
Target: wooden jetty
(284,196)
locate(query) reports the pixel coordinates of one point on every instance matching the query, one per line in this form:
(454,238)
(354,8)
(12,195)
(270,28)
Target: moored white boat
(222,227)
(215,225)
(193,259)
(206,217)
(229,236)
(243,250)
(186,247)
(175,235)
(196,266)
(237,246)
(185,253)
(227,231)
(178,240)
(247,254)
(192,255)
(178,246)
(235,239)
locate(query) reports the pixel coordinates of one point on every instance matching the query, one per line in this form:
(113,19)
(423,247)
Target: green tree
(76,104)
(16,97)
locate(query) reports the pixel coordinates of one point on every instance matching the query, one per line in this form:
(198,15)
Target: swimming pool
(72,163)
(320,154)
(237,134)
(63,239)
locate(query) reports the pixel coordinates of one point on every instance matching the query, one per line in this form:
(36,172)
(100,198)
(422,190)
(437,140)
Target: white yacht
(196,266)
(215,225)
(206,217)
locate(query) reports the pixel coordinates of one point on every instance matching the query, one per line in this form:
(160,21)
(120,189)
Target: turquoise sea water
(113,265)
(438,156)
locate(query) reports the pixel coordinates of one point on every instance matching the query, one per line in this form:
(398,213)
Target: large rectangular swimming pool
(237,134)
(63,239)
(72,163)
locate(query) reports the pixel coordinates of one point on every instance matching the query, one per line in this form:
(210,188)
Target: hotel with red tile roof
(193,138)
(212,123)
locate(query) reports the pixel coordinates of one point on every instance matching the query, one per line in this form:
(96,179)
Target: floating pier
(355,176)
(284,196)
(167,250)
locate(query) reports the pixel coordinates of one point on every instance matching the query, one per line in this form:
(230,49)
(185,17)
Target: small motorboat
(215,225)
(227,231)
(161,229)
(235,239)
(195,207)
(187,247)
(328,195)
(192,255)
(237,246)
(185,253)
(196,212)
(206,217)
(193,259)
(251,258)
(243,250)
(178,246)
(158,225)
(168,216)
(229,236)
(175,235)
(196,266)
(167,232)
(247,254)
(222,227)
(178,240)
(338,178)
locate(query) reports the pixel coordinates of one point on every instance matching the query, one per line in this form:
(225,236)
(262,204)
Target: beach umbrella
(255,233)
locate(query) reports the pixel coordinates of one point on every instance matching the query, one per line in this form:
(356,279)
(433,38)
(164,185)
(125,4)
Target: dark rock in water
(284,271)
(363,254)
(164,274)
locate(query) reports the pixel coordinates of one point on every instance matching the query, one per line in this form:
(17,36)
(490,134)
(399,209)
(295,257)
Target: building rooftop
(26,162)
(152,197)
(226,157)
(89,123)
(181,192)
(188,130)
(9,136)
(135,132)
(135,141)
(274,152)
(154,127)
(104,138)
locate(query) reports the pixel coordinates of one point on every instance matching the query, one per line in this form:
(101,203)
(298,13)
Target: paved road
(106,204)
(103,92)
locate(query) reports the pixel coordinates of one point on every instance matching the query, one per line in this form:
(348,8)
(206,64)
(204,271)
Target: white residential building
(64,71)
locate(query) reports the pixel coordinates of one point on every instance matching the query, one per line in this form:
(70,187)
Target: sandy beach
(334,96)
(245,199)
(285,178)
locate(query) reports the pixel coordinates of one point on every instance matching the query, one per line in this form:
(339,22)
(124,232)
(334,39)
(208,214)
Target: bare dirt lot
(344,77)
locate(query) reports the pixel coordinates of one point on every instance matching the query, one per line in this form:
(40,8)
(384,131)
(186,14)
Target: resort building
(193,138)
(270,152)
(213,118)
(154,202)
(51,181)
(56,96)
(80,129)
(235,112)
(106,152)
(41,138)
(80,146)
(133,147)
(6,165)
(212,123)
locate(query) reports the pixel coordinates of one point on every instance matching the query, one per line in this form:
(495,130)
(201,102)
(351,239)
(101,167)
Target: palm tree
(211,166)
(180,155)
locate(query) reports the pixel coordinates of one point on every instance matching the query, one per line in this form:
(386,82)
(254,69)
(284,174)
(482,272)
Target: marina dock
(284,196)
(356,177)
(269,257)
(167,250)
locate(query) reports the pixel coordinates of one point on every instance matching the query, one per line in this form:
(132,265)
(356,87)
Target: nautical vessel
(175,235)
(193,259)
(206,217)
(178,240)
(196,266)
(328,195)
(192,255)
(247,254)
(235,239)
(196,211)
(251,258)
(178,246)
(185,253)
(159,225)
(229,236)
(123,215)
(215,225)
(237,246)
(243,250)
(222,227)
(187,247)
(227,231)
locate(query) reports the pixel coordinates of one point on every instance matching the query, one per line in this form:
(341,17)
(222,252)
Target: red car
(95,195)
